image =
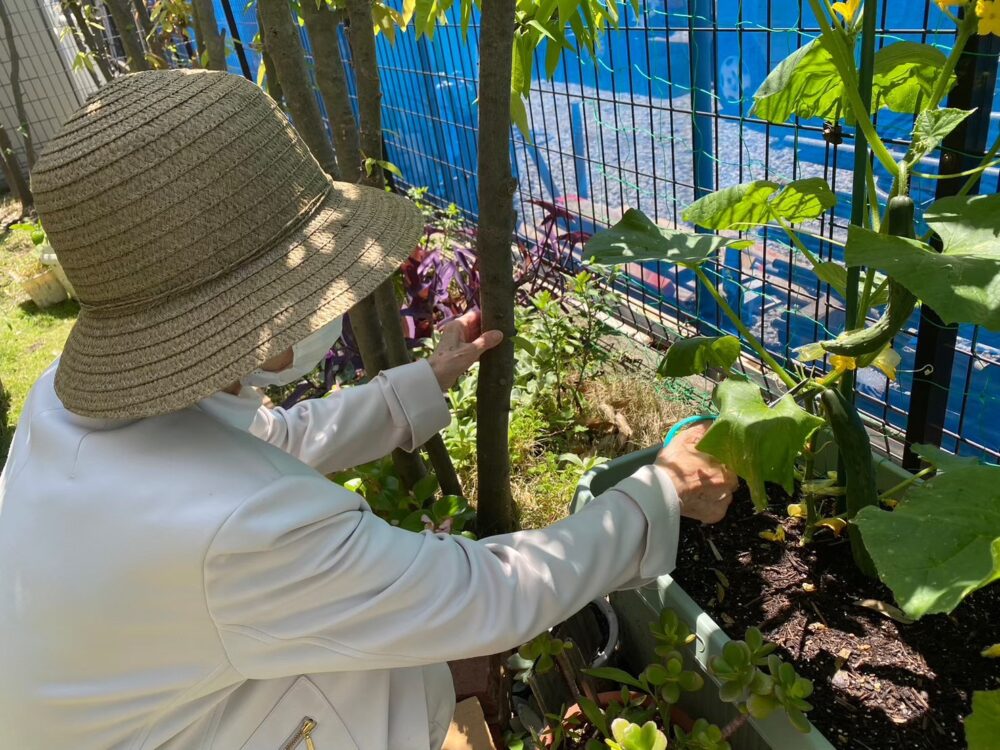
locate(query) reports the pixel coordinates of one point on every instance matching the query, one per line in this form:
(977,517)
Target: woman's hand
(462,344)
(704,485)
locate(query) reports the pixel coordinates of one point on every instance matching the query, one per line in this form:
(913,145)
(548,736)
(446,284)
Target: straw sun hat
(201,237)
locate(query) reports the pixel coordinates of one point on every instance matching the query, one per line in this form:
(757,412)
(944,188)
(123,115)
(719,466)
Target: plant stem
(812,516)
(752,340)
(495,509)
(845,66)
(734,726)
(810,256)
(907,482)
(966,28)
(866,294)
(875,218)
(984,164)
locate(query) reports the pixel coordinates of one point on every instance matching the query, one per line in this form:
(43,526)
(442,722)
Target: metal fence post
(234,32)
(962,150)
(701,47)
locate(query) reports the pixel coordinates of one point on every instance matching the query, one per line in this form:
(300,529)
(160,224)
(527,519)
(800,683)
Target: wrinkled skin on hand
(461,345)
(705,486)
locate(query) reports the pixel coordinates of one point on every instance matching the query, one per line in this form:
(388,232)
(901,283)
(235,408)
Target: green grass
(30,338)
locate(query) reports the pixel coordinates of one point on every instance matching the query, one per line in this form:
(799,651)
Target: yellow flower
(989,17)
(847,10)
(843,364)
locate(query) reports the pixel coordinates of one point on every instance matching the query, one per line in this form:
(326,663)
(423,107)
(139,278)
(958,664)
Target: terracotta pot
(677,716)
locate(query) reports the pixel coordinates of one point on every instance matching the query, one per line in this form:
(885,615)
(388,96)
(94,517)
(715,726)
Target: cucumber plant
(929,550)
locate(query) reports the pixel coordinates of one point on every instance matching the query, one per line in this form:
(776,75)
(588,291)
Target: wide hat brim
(169,354)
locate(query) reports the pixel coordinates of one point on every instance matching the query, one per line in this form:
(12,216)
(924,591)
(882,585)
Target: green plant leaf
(806,83)
(905,76)
(942,543)
(757,441)
(930,130)
(833,274)
(753,204)
(519,115)
(637,239)
(614,675)
(941,459)
(962,283)
(695,355)
(982,726)
(594,714)
(741,206)
(802,200)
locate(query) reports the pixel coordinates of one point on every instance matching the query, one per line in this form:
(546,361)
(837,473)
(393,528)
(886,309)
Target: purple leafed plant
(440,281)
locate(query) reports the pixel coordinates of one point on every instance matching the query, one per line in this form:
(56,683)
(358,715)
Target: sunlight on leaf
(753,204)
(636,239)
(905,76)
(942,543)
(806,84)
(693,356)
(982,727)
(759,442)
(961,283)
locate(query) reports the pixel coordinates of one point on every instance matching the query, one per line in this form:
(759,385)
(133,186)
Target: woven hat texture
(201,237)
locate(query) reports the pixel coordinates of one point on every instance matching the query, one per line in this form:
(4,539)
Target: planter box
(636,609)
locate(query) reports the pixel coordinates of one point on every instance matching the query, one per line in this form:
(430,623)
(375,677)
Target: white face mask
(306,354)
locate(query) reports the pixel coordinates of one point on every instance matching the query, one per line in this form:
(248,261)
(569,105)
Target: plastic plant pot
(637,609)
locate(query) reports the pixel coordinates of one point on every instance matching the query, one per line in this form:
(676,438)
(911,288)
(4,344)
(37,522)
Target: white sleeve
(400,408)
(301,578)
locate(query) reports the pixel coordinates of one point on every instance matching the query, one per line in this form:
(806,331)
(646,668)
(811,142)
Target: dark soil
(879,684)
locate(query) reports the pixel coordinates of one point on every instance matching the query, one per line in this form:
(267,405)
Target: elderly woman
(175,569)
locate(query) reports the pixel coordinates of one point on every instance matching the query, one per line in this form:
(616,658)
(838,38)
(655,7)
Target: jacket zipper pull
(303,733)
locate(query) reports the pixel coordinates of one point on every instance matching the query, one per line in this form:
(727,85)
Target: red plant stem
(734,726)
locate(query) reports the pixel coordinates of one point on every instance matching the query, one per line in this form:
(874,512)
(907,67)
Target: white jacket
(194,581)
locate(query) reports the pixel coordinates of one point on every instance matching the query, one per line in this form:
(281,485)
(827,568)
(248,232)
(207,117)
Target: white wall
(52,90)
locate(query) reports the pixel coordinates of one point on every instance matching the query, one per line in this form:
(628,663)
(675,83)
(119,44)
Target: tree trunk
(148,32)
(81,44)
(493,243)
(23,127)
(15,177)
(271,77)
(322,25)
(96,44)
(208,34)
(121,14)
(280,35)
(369,89)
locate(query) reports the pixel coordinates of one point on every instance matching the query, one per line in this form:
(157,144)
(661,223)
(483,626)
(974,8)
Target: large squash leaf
(752,204)
(942,543)
(695,355)
(962,283)
(806,83)
(636,239)
(757,441)
(982,726)
(905,76)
